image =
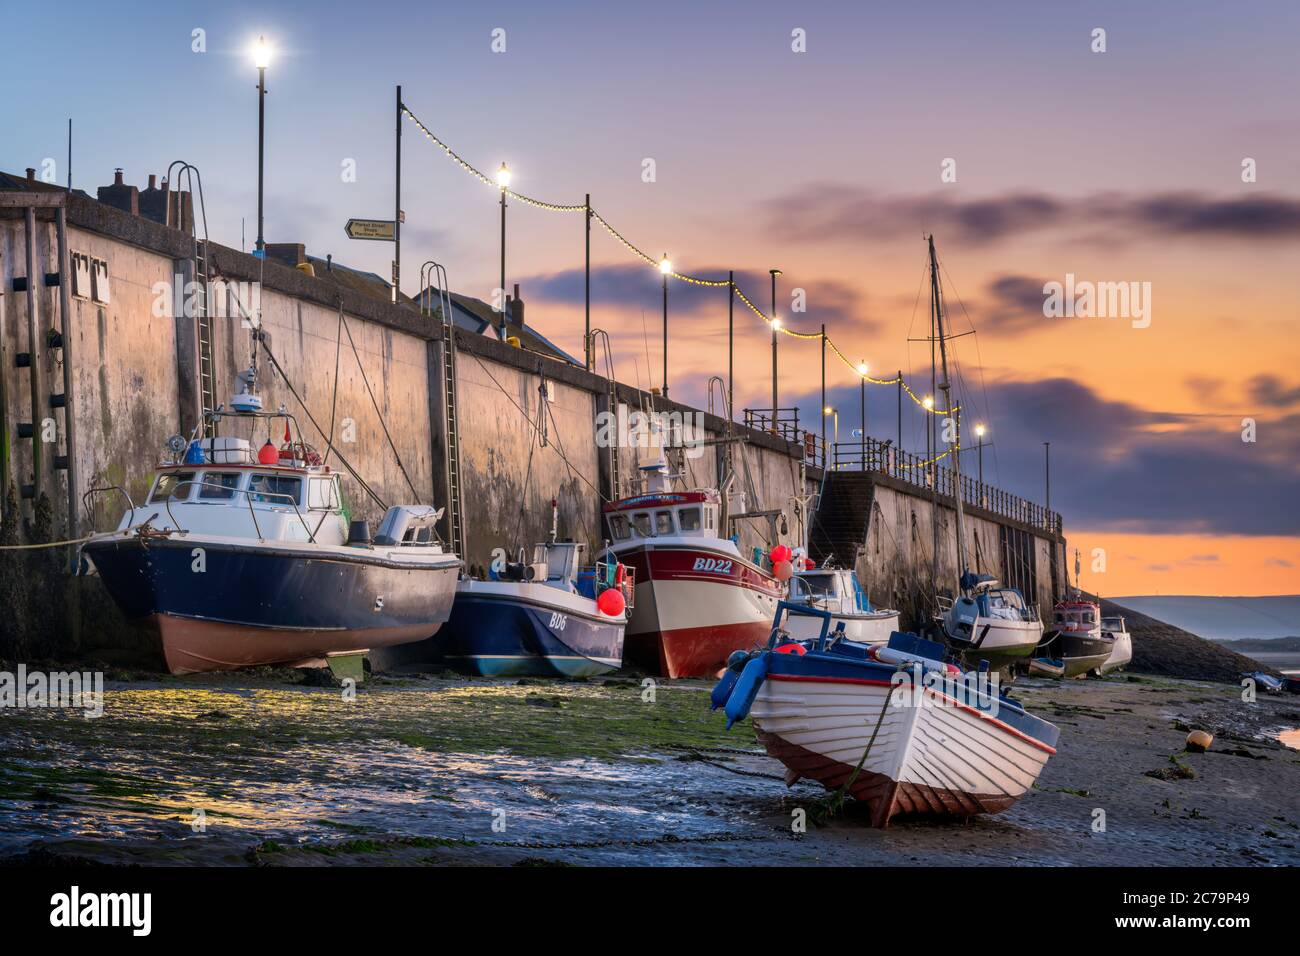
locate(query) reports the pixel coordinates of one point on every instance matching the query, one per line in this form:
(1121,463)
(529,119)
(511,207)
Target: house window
(81,275)
(99,281)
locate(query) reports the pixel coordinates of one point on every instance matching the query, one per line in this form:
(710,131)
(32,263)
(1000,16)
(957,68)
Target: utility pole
(397,206)
(823,395)
(586,334)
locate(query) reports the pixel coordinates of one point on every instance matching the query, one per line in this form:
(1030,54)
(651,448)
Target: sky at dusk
(1122,166)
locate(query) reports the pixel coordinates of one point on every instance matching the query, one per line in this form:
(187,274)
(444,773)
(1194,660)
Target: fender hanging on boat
(746,689)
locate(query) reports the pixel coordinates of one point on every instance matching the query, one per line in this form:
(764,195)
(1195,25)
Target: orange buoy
(1198,741)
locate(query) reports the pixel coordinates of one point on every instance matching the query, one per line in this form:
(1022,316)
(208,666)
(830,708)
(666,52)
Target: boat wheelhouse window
(1006,599)
(641,522)
(322,493)
(818,585)
(218,485)
(618,527)
(689,519)
(276,489)
(176,485)
(663,522)
(710,517)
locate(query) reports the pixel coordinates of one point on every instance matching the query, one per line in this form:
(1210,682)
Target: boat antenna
(945,385)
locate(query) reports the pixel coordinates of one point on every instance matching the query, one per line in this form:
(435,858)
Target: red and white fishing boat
(697,598)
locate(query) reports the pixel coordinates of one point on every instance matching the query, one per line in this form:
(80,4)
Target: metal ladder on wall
(43,339)
(202,277)
(455,515)
(207,386)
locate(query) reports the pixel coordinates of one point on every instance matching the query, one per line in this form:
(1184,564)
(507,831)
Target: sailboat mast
(945,384)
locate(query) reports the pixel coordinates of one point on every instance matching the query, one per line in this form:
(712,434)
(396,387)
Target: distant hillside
(1276,645)
(1161,648)
(1223,618)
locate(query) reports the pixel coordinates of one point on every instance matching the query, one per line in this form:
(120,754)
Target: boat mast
(945,384)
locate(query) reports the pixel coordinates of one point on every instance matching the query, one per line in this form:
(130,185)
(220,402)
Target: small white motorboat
(838,591)
(1122,652)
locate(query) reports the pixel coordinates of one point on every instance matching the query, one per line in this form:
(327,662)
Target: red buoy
(796,649)
(783,570)
(611,602)
(267,454)
(781,553)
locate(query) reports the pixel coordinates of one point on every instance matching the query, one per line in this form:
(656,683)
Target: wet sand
(456,772)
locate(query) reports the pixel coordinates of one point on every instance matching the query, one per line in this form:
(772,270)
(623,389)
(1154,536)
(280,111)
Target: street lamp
(836,415)
(261,53)
(979,433)
(503,183)
(862,384)
(776,327)
(665,269)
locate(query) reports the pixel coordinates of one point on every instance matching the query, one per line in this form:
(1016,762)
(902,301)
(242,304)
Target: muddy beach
(258,769)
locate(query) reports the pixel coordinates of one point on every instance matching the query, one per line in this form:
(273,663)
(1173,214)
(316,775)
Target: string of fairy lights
(663,266)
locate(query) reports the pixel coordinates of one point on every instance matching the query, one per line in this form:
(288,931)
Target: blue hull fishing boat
(543,619)
(503,629)
(894,726)
(238,558)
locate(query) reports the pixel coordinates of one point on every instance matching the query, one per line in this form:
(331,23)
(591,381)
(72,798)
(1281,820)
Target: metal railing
(786,427)
(883,458)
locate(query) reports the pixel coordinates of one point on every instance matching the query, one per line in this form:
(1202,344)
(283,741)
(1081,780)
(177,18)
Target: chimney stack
(31,174)
(119,195)
(515,308)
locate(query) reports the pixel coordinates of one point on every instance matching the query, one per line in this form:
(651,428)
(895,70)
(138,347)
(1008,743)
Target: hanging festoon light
(501,181)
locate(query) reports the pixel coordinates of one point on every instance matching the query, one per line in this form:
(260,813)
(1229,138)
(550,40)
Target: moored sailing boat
(984,624)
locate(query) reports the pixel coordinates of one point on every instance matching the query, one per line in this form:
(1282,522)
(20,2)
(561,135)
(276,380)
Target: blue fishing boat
(239,558)
(895,726)
(544,618)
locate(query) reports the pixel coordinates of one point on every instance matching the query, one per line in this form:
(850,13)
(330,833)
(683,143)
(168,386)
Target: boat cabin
(1079,614)
(561,559)
(266,502)
(836,590)
(693,514)
(1005,603)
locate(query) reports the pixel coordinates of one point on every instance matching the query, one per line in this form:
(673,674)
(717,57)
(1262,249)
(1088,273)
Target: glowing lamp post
(665,270)
(261,54)
(503,183)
